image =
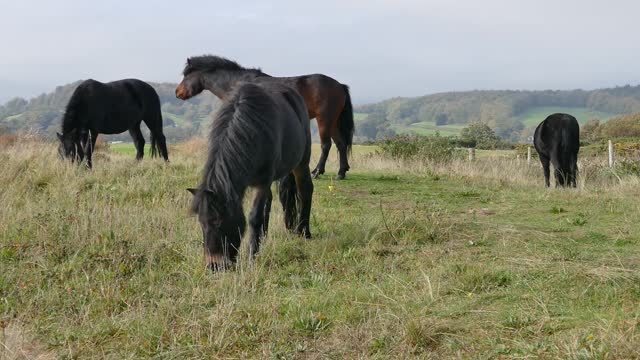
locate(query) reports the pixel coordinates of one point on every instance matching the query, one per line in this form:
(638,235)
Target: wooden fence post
(472,154)
(528,155)
(610,154)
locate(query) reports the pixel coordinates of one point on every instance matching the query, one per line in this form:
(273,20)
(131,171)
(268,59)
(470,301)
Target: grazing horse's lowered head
(222,228)
(69,147)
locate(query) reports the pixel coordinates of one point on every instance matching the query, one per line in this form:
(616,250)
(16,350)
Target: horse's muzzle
(181,92)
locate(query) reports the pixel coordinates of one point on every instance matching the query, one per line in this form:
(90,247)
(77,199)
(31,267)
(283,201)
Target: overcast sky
(381,48)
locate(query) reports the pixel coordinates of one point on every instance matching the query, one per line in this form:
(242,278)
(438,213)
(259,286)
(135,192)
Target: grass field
(534,116)
(456,260)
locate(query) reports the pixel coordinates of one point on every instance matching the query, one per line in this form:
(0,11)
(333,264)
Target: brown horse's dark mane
(212,63)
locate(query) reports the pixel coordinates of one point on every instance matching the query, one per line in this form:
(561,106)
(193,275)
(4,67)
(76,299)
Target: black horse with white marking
(557,141)
(111,108)
(260,134)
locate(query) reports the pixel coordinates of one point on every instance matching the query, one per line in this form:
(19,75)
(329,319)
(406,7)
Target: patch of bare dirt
(15,343)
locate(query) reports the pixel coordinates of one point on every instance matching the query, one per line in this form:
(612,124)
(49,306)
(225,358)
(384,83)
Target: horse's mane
(71,111)
(212,63)
(239,129)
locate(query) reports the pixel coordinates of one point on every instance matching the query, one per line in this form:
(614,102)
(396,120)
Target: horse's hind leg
(574,171)
(259,218)
(138,141)
(344,156)
(305,194)
(545,167)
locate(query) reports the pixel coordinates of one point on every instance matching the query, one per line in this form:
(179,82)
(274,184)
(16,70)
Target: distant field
(534,116)
(173,117)
(428,128)
(359,116)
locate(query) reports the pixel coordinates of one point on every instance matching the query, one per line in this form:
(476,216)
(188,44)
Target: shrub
(521,149)
(481,136)
(101,144)
(7,140)
(423,148)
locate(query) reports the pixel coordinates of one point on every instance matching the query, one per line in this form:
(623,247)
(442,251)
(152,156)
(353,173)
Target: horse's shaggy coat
(557,141)
(260,134)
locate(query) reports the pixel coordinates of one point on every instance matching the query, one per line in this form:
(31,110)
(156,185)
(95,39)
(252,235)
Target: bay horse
(111,108)
(259,134)
(557,141)
(327,100)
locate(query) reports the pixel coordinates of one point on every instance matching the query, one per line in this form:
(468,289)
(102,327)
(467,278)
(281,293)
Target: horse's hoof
(340,177)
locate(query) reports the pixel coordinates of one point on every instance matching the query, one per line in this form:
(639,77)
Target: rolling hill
(512,114)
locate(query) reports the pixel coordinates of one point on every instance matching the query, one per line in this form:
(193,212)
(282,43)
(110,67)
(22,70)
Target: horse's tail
(158,141)
(346,125)
(288,193)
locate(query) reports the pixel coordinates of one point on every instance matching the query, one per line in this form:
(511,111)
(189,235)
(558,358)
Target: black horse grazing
(259,134)
(557,140)
(327,100)
(111,108)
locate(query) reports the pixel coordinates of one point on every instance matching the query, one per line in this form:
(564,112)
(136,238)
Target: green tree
(479,135)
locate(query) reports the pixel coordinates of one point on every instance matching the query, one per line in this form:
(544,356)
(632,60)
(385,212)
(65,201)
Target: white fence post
(472,154)
(528,155)
(610,153)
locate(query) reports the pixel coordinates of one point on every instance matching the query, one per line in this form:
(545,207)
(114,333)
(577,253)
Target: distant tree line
(495,109)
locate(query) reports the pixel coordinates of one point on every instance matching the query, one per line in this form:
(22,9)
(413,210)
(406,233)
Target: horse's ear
(60,137)
(192,191)
(189,61)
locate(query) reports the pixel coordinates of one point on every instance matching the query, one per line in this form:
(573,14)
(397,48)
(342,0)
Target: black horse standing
(111,108)
(557,141)
(260,134)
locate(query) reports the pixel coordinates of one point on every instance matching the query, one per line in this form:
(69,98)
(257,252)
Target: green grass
(534,116)
(459,260)
(129,149)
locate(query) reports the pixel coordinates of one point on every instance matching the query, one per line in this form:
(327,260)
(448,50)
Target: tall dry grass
(409,260)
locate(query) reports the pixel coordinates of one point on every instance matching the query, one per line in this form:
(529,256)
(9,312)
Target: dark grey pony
(557,141)
(111,108)
(260,134)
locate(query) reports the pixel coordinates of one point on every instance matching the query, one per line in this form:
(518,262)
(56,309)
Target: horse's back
(115,107)
(320,92)
(279,114)
(558,136)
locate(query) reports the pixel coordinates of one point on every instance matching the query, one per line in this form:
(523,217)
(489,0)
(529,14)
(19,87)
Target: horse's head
(191,84)
(69,147)
(222,228)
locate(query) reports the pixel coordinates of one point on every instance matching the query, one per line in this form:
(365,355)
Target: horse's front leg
(259,218)
(89,144)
